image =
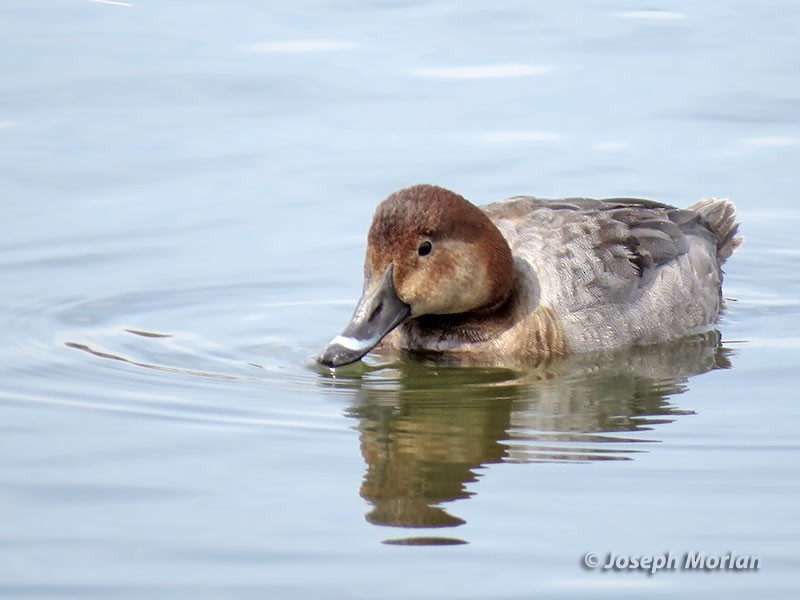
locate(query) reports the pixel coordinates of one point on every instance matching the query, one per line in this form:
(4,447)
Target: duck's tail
(720,215)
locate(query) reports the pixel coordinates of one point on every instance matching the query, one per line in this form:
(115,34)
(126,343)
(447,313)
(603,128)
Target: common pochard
(528,278)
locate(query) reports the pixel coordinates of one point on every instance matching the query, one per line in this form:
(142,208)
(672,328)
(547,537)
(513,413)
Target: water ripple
(145,354)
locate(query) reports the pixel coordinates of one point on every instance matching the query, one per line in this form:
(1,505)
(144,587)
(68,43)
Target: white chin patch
(352,343)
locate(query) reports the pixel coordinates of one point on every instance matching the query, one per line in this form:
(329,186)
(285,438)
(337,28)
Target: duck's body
(527,278)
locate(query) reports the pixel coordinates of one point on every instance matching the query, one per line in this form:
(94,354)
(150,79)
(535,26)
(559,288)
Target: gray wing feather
(652,233)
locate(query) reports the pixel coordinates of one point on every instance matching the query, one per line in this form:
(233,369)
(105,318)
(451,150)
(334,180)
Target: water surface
(186,189)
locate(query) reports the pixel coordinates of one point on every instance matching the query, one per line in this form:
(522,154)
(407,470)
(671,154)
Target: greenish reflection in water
(427,427)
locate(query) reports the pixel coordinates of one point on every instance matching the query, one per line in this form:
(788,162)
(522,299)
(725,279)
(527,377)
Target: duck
(528,278)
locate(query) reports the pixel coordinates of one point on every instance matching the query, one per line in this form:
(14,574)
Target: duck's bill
(378,312)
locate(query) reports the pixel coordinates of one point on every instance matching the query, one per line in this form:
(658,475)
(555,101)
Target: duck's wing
(642,233)
(621,270)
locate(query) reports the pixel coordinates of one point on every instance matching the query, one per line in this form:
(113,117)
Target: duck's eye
(425,248)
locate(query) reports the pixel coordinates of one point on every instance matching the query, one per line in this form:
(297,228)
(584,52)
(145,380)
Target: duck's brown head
(429,252)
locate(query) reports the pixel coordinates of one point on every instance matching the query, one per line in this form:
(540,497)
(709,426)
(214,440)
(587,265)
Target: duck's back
(622,270)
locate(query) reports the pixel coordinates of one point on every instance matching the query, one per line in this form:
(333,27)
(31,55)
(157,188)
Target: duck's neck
(428,331)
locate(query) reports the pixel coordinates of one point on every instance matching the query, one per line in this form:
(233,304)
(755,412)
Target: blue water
(186,189)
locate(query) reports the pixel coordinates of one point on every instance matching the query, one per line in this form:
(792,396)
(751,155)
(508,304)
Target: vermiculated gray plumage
(622,270)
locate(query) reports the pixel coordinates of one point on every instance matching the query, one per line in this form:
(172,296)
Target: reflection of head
(426,428)
(423,454)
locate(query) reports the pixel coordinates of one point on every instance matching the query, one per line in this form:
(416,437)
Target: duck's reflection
(427,428)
